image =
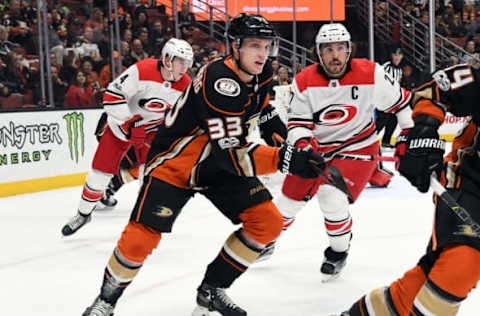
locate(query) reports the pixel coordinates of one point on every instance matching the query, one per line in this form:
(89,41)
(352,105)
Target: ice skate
(267,252)
(75,223)
(333,263)
(210,299)
(99,308)
(107,201)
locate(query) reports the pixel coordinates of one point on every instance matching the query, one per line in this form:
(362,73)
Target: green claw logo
(76,136)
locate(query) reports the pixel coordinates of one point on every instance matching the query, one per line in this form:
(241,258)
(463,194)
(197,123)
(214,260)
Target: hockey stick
(461,212)
(334,177)
(364,157)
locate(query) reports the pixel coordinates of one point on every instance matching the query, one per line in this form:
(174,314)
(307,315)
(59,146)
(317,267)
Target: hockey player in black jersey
(450,269)
(202,148)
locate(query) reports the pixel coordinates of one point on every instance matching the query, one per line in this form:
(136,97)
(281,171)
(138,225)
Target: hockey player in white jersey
(135,103)
(332,110)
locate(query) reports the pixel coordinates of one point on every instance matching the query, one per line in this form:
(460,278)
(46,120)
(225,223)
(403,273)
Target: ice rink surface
(47,275)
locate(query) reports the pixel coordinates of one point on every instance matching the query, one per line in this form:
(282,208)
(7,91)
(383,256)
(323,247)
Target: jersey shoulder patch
(223,90)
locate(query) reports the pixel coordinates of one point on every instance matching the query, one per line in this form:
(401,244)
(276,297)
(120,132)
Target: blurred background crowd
(78,43)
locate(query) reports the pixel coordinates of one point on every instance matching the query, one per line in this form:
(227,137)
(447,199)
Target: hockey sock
(287,222)
(339,233)
(119,273)
(93,191)
(234,259)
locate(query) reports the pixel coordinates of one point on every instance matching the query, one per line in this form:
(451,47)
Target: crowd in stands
(78,42)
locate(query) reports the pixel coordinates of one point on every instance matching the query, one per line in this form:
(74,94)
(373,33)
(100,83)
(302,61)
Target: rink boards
(43,150)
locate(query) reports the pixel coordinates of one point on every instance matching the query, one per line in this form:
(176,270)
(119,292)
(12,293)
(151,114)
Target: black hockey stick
(334,177)
(461,212)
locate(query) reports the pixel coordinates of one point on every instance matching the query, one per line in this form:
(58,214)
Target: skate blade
(329,277)
(102,207)
(200,311)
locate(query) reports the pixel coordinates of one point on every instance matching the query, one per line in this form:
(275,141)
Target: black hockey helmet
(247,25)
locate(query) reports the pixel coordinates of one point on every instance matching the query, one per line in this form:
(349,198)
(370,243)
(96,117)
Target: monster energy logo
(76,136)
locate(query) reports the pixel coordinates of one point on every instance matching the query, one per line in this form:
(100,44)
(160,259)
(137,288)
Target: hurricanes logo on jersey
(335,114)
(154,105)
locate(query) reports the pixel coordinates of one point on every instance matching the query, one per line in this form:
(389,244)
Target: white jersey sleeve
(116,97)
(389,97)
(118,93)
(300,117)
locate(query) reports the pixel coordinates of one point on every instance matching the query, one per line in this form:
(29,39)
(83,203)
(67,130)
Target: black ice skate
(99,308)
(211,299)
(267,252)
(75,223)
(333,263)
(107,200)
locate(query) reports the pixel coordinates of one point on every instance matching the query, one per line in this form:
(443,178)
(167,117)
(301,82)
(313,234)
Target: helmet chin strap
(170,70)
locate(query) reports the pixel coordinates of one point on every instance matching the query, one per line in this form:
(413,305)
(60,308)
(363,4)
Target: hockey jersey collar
(324,74)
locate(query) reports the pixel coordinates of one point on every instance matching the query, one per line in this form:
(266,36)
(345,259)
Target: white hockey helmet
(332,33)
(175,47)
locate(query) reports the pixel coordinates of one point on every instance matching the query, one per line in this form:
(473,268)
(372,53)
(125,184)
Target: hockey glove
(401,145)
(134,132)
(423,154)
(302,162)
(136,135)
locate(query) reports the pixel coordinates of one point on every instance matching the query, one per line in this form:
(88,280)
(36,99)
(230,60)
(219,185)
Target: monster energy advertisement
(46,144)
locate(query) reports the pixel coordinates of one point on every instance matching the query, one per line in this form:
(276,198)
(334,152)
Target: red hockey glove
(304,142)
(401,146)
(134,132)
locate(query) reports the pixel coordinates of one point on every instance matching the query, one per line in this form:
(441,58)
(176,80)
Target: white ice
(44,274)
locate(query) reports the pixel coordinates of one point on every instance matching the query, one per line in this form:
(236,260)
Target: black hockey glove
(423,154)
(272,129)
(302,162)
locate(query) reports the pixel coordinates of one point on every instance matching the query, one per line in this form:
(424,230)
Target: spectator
(475,25)
(452,61)
(54,43)
(275,67)
(80,93)
(144,38)
(186,20)
(137,51)
(90,75)
(105,74)
(87,47)
(96,22)
(11,76)
(24,38)
(6,46)
(128,36)
(68,72)
(127,59)
(469,57)
(126,23)
(458,29)
(157,36)
(59,87)
(140,21)
(87,8)
(409,78)
(13,16)
(458,7)
(283,77)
